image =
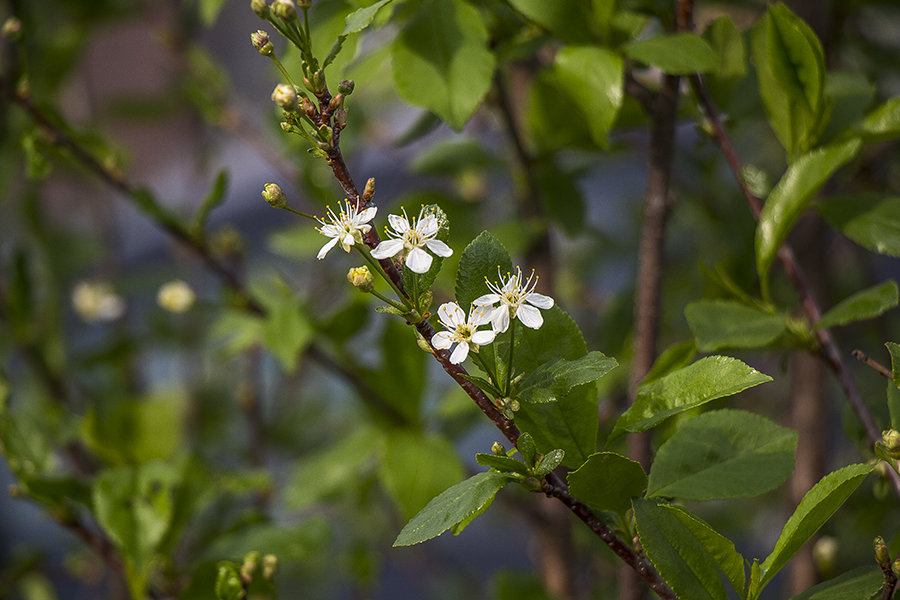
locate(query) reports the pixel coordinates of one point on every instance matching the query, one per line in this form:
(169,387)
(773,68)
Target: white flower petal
(326,248)
(486,300)
(539,300)
(439,247)
(500,318)
(387,248)
(418,261)
(427,226)
(442,340)
(451,315)
(530,316)
(398,224)
(347,241)
(460,353)
(367,215)
(481,338)
(331,230)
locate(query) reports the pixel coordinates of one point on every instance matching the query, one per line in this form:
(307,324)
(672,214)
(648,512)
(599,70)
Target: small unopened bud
(882,554)
(335,102)
(284,9)
(825,552)
(287,127)
(251,560)
(498,449)
(274,195)
(270,565)
(285,96)
(260,8)
(308,108)
(424,345)
(895,567)
(325,132)
(12,29)
(891,440)
(340,118)
(262,43)
(319,79)
(346,86)
(361,278)
(176,296)
(369,190)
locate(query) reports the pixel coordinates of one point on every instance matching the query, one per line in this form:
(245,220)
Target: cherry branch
(828,348)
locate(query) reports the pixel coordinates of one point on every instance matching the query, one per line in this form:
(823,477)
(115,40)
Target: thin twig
(829,350)
(865,358)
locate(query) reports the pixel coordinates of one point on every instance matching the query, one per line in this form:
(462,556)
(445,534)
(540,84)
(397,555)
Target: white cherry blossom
(517,300)
(345,228)
(461,331)
(411,239)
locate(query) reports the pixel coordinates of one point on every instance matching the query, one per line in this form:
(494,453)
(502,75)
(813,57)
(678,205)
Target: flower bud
(335,102)
(895,567)
(340,118)
(12,29)
(270,565)
(369,190)
(262,43)
(346,86)
(176,296)
(319,79)
(361,278)
(882,555)
(325,132)
(891,440)
(284,9)
(260,8)
(251,560)
(274,195)
(498,449)
(308,108)
(285,96)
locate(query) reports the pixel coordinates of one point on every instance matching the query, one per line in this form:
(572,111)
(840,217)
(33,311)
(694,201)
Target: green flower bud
(284,9)
(260,8)
(361,278)
(891,440)
(285,96)
(274,195)
(270,565)
(251,561)
(498,449)
(895,567)
(346,86)
(262,43)
(882,555)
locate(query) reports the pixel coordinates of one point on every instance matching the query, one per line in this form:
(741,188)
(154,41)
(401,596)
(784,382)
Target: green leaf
(863,583)
(229,585)
(591,482)
(567,20)
(526,447)
(796,57)
(441,60)
(720,548)
(549,461)
(209,11)
(791,197)
(416,467)
(676,54)
(134,505)
(679,557)
(453,156)
(554,379)
(480,261)
(361,18)
(560,196)
(504,464)
(866,304)
(570,423)
(870,220)
(452,506)
(723,454)
(814,510)
(706,380)
(214,198)
(893,402)
(894,349)
(883,123)
(721,324)
(286,330)
(728,43)
(593,78)
(555,120)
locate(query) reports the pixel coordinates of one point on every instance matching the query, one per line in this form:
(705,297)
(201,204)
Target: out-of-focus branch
(828,348)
